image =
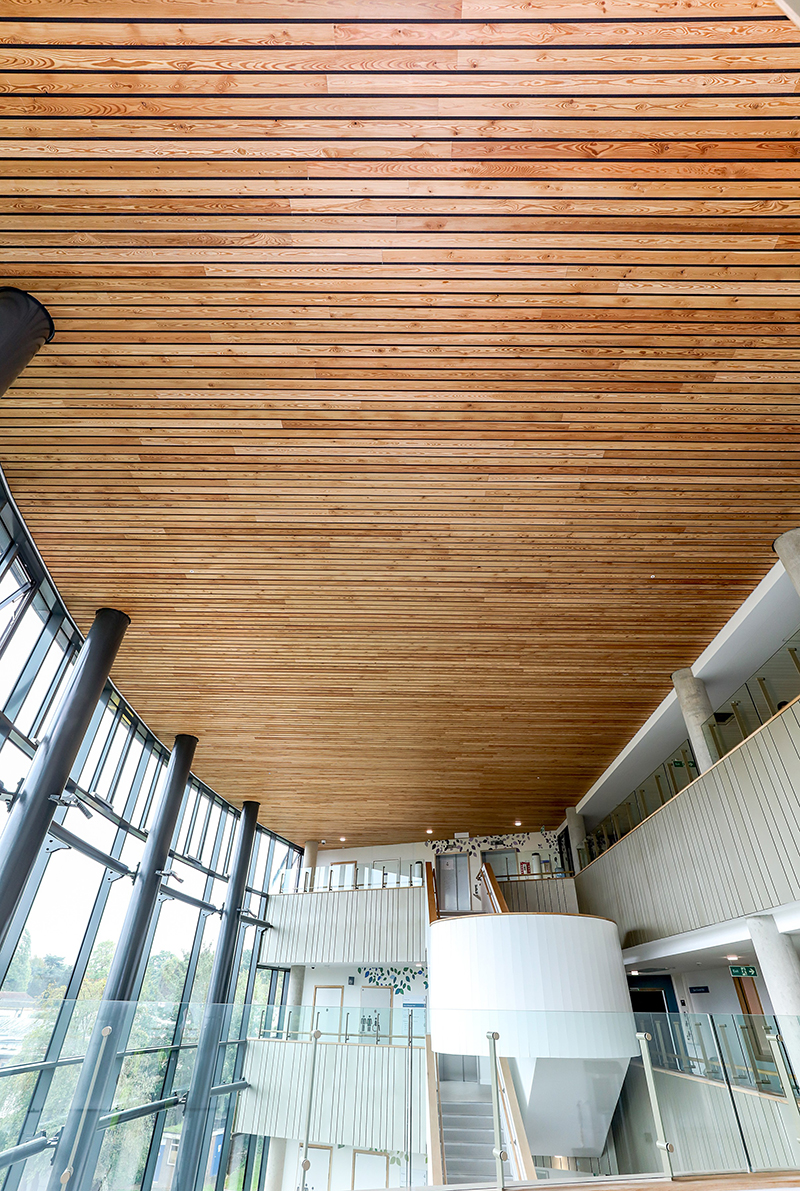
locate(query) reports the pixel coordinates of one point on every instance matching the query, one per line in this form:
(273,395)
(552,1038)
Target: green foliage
(19,973)
(398,979)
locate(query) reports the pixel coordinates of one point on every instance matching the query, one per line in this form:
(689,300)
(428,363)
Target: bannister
(493,901)
(515,1127)
(430,887)
(436,1138)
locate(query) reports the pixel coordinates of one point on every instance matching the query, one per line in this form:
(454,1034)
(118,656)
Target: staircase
(469,1139)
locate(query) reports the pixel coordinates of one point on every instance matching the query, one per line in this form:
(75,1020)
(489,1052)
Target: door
(375,1021)
(648,1000)
(503,862)
(452,883)
(327,1014)
(370,1170)
(318,1177)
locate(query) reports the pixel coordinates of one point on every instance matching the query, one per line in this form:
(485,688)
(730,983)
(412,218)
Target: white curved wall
(550,984)
(553,987)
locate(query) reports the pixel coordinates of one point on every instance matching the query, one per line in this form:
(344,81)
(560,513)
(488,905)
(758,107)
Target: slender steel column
(190,1154)
(32,810)
(100,1070)
(24,326)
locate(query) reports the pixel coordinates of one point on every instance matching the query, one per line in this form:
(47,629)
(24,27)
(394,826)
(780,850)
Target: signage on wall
(525,868)
(743,970)
(700,988)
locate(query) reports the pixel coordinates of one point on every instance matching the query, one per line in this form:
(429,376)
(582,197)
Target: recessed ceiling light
(518,822)
(732,957)
(429,831)
(635,972)
(342,839)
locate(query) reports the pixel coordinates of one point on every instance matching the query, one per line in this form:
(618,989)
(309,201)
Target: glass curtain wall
(55,962)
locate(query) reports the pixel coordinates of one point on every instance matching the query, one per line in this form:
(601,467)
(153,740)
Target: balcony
(699,859)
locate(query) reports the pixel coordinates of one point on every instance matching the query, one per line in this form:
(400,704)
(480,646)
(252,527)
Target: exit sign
(743,970)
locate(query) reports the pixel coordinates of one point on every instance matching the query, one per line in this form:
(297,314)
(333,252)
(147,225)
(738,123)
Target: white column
(294,995)
(276,1161)
(695,708)
(310,849)
(576,830)
(787,548)
(780,967)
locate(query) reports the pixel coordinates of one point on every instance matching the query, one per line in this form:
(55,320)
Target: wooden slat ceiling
(425,377)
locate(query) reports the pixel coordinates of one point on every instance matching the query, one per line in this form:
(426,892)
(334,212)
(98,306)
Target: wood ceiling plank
(368,355)
(771,28)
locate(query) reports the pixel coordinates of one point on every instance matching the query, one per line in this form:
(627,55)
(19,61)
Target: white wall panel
(361,1093)
(725,847)
(552,985)
(549,896)
(372,926)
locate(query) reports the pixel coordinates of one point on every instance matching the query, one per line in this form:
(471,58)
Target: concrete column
(297,975)
(695,708)
(276,1162)
(780,967)
(310,849)
(576,830)
(787,548)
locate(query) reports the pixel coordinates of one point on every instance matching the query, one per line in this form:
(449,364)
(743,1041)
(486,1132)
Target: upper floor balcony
(350,914)
(699,859)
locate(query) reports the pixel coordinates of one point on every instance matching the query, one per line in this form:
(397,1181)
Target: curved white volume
(553,987)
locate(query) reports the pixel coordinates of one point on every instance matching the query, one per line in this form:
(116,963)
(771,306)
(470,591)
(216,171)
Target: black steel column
(100,1069)
(190,1153)
(32,810)
(24,326)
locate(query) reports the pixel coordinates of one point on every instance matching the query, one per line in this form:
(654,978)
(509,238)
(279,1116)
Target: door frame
(373,1154)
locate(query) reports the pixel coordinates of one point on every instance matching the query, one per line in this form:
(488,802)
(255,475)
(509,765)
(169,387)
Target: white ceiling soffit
(767,618)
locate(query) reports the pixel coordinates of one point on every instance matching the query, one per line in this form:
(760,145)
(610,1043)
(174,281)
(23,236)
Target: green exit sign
(743,970)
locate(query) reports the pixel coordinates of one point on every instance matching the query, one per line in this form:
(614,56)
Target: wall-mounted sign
(743,970)
(700,988)
(525,868)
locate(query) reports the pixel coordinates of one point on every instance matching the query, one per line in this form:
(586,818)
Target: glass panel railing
(766,693)
(337,877)
(672,775)
(334,1102)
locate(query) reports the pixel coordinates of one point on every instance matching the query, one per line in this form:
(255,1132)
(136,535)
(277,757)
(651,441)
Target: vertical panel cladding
(349,926)
(725,847)
(361,1093)
(549,896)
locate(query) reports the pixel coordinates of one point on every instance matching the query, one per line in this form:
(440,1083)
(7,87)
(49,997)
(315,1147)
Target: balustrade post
(500,1155)
(664,1147)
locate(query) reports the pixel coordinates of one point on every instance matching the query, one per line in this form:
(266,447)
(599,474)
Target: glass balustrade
(397,1096)
(349,875)
(764,695)
(671,776)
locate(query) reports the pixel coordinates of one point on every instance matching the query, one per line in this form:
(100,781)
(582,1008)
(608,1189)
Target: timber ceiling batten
(425,377)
